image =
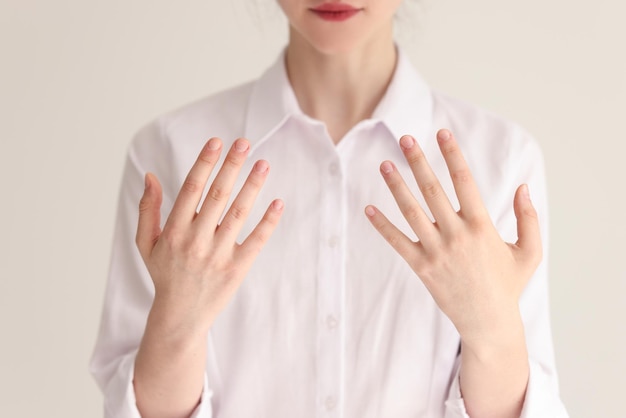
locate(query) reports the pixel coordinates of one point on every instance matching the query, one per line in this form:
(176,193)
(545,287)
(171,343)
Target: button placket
(331,322)
(330,291)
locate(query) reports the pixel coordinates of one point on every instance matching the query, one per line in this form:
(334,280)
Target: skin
(340,71)
(196,265)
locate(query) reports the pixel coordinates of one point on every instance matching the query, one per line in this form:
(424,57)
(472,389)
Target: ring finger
(412,211)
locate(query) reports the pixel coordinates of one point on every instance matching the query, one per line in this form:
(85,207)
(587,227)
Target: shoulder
(169,144)
(483,134)
(221,114)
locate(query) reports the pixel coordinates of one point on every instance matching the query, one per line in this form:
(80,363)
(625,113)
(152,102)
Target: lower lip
(336,16)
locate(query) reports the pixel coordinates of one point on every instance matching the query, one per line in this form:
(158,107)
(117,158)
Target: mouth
(335,12)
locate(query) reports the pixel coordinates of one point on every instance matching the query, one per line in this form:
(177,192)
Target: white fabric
(330,321)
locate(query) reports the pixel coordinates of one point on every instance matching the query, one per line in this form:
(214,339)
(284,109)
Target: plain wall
(79,77)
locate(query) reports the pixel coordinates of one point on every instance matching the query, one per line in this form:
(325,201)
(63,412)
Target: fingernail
(407,142)
(386,167)
(261,166)
(369,211)
(241,145)
(146,183)
(526,192)
(444,135)
(214,144)
(278,204)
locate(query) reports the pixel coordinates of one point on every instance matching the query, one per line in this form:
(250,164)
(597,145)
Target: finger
(184,209)
(464,185)
(219,192)
(149,225)
(410,208)
(240,208)
(429,185)
(408,249)
(528,234)
(254,243)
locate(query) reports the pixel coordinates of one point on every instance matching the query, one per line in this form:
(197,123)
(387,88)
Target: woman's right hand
(195,262)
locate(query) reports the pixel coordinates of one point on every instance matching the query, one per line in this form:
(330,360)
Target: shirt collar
(271,103)
(406,107)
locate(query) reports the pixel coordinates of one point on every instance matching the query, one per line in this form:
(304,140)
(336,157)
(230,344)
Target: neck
(340,89)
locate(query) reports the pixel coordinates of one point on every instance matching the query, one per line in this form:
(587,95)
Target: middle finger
(429,185)
(221,188)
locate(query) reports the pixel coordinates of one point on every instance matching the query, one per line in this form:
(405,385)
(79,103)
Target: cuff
(455,406)
(541,401)
(542,395)
(120,401)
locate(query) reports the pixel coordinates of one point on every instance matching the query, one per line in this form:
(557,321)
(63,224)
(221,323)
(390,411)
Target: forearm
(169,369)
(494,374)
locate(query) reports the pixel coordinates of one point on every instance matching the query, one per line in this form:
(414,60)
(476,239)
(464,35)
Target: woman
(448,320)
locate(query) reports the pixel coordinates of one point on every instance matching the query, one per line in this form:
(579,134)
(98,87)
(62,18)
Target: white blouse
(330,322)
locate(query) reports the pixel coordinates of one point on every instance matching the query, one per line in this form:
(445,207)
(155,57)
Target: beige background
(78,78)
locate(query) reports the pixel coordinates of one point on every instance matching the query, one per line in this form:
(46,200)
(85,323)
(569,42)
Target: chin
(333,41)
(334,45)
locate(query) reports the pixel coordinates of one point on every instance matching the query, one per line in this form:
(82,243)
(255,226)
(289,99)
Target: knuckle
(430,189)
(238,212)
(231,273)
(536,255)
(393,240)
(255,181)
(206,157)
(144,204)
(412,214)
(190,248)
(172,238)
(271,219)
(461,176)
(450,148)
(261,236)
(478,224)
(191,185)
(217,193)
(226,226)
(458,238)
(233,160)
(387,232)
(417,157)
(530,212)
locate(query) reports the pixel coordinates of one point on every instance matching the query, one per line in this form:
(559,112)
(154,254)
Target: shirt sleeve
(542,394)
(129,290)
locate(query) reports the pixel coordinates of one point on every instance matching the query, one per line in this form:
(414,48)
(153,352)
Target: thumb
(528,235)
(148,227)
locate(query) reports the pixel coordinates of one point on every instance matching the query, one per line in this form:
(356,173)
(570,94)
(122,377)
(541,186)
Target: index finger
(464,185)
(188,199)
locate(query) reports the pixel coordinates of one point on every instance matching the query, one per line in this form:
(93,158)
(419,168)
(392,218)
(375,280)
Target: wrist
(176,324)
(503,336)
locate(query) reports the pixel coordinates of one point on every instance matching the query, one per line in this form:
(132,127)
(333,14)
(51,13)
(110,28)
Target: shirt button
(330,403)
(333,241)
(331,322)
(333,169)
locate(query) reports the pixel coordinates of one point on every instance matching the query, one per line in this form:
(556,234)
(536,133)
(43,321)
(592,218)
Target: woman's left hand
(473,275)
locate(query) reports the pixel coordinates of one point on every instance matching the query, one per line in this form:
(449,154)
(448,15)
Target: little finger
(254,243)
(407,249)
